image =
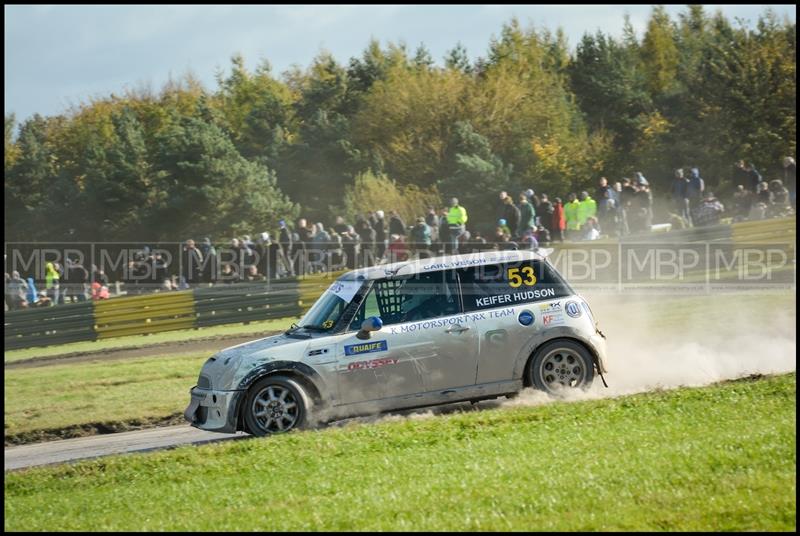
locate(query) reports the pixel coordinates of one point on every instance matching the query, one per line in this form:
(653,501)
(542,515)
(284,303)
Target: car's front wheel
(275,405)
(559,365)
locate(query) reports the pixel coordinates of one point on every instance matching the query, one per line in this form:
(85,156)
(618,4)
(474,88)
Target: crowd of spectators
(526,222)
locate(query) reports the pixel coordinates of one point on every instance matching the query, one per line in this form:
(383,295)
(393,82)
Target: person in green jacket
(527,215)
(571,216)
(51,282)
(456,222)
(587,208)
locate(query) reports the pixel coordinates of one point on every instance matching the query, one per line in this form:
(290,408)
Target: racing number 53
(515,279)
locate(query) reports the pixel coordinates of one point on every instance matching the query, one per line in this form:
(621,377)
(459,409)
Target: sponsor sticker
(573,309)
(371,364)
(549,320)
(366,348)
(345,289)
(526,318)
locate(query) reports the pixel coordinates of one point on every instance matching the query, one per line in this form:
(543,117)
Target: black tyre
(275,405)
(561,365)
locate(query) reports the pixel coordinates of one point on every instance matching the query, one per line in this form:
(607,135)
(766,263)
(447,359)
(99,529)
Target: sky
(57,56)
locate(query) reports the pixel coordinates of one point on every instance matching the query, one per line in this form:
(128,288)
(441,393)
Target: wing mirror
(372,323)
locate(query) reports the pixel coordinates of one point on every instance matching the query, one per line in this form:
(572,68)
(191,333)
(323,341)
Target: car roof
(445,262)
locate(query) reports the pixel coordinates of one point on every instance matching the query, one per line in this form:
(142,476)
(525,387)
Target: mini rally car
(406,335)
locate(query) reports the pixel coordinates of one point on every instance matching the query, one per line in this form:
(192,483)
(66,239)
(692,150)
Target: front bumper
(211,410)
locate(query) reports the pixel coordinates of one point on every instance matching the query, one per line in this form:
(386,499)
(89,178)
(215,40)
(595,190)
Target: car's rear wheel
(561,365)
(275,405)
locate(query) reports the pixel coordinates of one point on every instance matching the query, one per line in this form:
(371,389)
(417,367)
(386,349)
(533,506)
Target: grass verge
(716,458)
(62,401)
(138,341)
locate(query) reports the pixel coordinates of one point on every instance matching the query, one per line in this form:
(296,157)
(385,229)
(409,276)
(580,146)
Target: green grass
(135,341)
(53,397)
(711,459)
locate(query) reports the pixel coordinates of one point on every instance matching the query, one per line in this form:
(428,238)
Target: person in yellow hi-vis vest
(456,221)
(587,208)
(571,217)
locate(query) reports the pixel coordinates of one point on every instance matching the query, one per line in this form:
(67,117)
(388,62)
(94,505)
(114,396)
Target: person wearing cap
(456,223)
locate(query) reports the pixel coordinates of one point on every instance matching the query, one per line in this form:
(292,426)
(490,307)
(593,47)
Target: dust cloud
(665,342)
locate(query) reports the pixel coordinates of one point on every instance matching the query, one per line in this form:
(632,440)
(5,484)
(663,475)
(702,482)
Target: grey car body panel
(466,356)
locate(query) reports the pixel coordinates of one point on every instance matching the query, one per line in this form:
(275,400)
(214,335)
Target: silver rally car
(405,335)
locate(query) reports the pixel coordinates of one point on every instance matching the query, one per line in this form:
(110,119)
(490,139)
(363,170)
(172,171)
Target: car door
(424,345)
(515,298)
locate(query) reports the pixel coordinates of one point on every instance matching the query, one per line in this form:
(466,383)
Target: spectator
(780,199)
(456,222)
(397,251)
(301,246)
(571,216)
(763,194)
(622,209)
(285,241)
(542,235)
(340,226)
(501,205)
(502,224)
(191,264)
(740,175)
(742,200)
(433,223)
(511,214)
(644,198)
(790,179)
(590,229)
(587,208)
(16,291)
(351,247)
(322,242)
(695,188)
(545,214)
(606,204)
(208,253)
(527,215)
(366,236)
(559,221)
(528,240)
(708,212)
(380,234)
(680,196)
(421,239)
(754,178)
(76,280)
(51,285)
(396,224)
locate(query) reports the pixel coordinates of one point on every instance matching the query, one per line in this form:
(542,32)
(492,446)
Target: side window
(410,299)
(498,285)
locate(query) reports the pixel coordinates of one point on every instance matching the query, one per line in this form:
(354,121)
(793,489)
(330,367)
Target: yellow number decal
(327,324)
(515,280)
(531,280)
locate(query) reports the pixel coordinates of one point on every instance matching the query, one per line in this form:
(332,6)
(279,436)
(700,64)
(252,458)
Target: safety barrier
(164,311)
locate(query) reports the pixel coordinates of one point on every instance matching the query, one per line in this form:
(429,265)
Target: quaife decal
(371,364)
(516,297)
(526,318)
(573,309)
(366,348)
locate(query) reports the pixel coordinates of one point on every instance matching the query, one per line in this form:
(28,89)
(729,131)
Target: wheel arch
(526,382)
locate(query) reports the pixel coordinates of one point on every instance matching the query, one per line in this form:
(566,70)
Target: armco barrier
(140,315)
(44,326)
(163,311)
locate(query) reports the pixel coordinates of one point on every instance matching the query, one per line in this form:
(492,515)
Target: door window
(409,299)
